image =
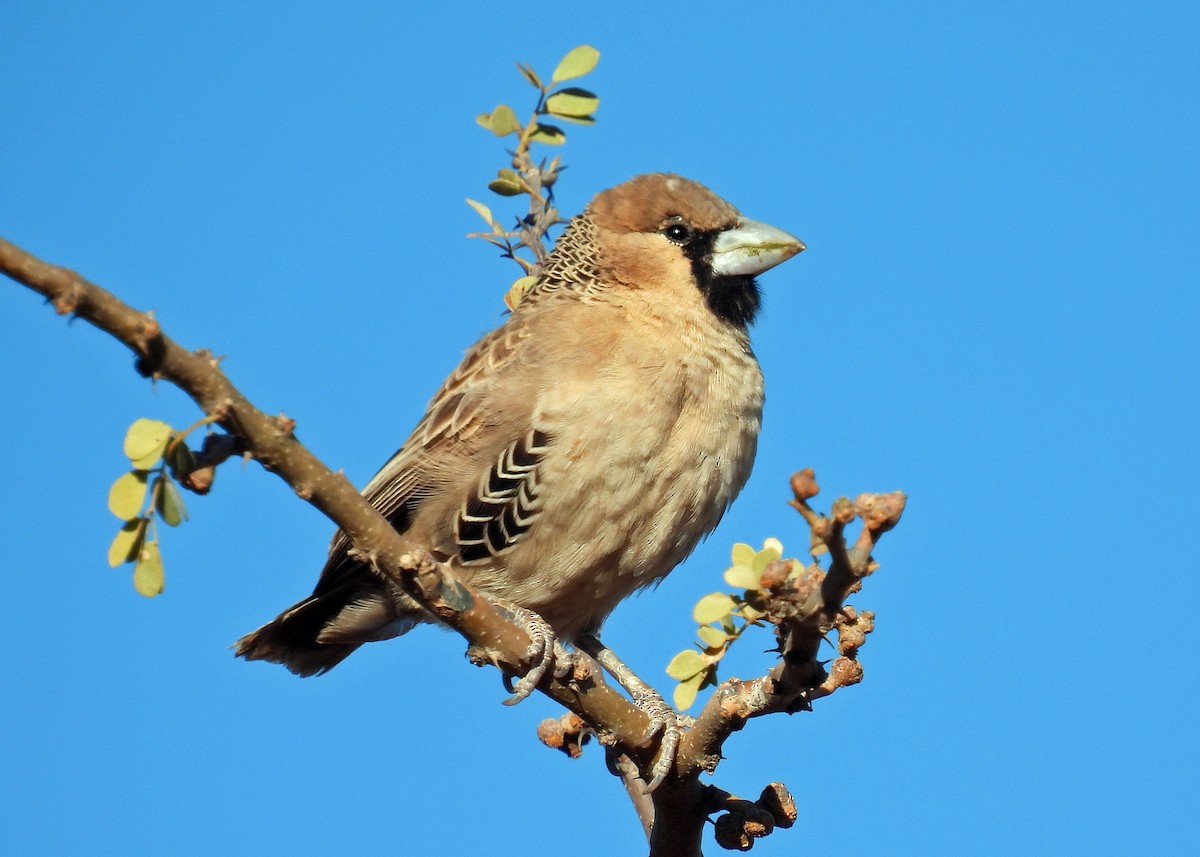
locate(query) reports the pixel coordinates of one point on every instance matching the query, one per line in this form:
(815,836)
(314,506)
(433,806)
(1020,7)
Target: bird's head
(662,231)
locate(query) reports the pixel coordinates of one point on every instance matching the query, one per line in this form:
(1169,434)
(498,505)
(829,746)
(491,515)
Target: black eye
(680,233)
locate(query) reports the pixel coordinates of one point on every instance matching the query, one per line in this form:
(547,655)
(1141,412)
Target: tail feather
(318,633)
(291,639)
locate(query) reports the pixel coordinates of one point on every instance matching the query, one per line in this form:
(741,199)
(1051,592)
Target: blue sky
(996,314)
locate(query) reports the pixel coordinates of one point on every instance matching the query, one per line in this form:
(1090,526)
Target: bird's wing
(504,503)
(458,427)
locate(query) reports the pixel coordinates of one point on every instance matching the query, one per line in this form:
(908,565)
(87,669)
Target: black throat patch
(733,299)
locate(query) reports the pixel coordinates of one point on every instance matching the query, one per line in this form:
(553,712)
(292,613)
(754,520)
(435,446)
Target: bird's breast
(647,454)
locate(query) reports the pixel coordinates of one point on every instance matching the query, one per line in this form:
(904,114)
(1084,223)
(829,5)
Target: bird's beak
(751,248)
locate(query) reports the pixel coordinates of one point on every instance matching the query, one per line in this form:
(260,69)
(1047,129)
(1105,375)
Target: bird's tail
(293,638)
(318,633)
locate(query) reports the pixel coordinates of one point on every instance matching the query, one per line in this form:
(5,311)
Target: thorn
(150,326)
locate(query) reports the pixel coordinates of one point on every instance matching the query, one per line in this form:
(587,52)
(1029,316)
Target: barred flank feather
(505,503)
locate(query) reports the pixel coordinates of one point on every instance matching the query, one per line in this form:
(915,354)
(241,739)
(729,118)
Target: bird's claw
(664,719)
(543,653)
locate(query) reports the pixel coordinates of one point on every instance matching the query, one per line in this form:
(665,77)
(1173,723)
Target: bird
(583,448)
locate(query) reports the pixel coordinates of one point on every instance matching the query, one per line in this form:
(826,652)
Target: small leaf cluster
(723,617)
(571,104)
(523,176)
(144,495)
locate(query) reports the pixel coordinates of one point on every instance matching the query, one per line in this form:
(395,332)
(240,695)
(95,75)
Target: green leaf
(686,691)
(713,607)
(483,211)
(712,638)
(128,495)
(578,62)
(145,442)
(504,121)
(578,120)
(686,664)
(572,102)
(743,554)
(517,291)
(751,612)
(148,462)
(128,543)
(530,75)
(743,577)
(501,121)
(551,135)
(180,459)
(148,573)
(507,183)
(765,557)
(168,503)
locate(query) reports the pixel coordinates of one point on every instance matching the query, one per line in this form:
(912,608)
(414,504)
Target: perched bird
(582,449)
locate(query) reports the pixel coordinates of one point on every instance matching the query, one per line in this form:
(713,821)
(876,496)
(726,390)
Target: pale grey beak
(751,248)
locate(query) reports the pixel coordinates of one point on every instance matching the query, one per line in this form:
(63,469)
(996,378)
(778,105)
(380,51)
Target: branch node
(567,733)
(880,512)
(200,480)
(737,829)
(443,593)
(67,301)
(843,672)
(482,656)
(804,485)
(221,410)
(777,800)
(744,821)
(150,326)
(213,360)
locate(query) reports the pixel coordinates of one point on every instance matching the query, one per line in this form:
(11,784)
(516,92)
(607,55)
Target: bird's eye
(680,233)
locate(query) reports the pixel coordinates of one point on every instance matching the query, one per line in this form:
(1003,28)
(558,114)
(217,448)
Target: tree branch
(805,608)
(269,440)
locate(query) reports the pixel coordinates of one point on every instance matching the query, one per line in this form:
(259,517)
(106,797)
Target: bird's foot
(663,718)
(544,652)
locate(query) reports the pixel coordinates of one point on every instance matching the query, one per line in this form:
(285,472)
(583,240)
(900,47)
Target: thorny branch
(536,180)
(805,608)
(270,441)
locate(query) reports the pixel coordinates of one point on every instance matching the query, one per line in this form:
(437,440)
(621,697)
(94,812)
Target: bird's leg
(544,650)
(663,718)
